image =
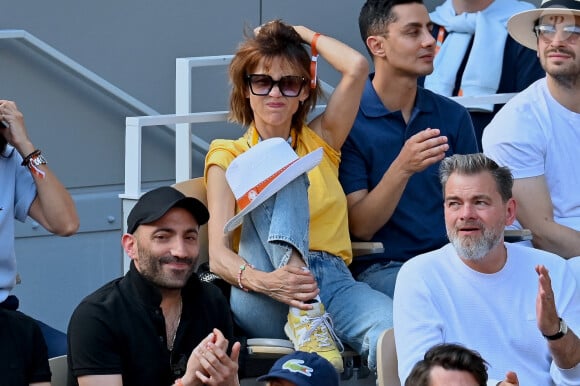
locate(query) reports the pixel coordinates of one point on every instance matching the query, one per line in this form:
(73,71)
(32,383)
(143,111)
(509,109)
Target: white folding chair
(59,369)
(387,371)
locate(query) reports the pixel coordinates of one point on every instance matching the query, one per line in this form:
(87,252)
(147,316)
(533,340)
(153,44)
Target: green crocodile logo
(296,366)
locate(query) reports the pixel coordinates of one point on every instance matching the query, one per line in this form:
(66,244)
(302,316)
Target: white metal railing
(133,134)
(183,97)
(183,105)
(495,99)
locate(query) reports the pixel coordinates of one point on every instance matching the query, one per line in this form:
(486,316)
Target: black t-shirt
(120,329)
(23,352)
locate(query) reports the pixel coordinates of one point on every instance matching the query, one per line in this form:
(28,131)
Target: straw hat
(260,172)
(521,25)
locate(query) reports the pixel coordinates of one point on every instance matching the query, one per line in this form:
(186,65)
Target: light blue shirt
(17,191)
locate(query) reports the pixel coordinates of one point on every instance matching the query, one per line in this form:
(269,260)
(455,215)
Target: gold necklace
(171,342)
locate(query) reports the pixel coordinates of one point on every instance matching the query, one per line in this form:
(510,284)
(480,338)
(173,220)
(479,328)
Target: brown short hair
(275,40)
(451,357)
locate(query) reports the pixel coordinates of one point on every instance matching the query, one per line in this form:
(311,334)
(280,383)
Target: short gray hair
(469,164)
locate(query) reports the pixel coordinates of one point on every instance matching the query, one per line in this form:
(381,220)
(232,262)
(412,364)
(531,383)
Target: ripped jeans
(359,313)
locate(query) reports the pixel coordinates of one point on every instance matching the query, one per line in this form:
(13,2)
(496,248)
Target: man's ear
(375,45)
(510,212)
(129,244)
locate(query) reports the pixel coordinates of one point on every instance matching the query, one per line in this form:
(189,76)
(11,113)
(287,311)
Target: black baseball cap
(154,204)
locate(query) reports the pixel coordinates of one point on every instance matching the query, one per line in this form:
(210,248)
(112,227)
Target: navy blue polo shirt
(378,135)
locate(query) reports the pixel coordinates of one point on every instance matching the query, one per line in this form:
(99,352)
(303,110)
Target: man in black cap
(157,325)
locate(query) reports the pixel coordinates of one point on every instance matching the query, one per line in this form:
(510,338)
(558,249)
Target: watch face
(563,327)
(38,160)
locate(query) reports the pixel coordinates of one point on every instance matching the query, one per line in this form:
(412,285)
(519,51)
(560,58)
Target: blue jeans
(360,314)
(55,340)
(381,276)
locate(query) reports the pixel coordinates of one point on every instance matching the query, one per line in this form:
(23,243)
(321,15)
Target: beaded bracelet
(240,273)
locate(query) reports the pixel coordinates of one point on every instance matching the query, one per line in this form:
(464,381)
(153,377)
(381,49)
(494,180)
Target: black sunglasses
(289,85)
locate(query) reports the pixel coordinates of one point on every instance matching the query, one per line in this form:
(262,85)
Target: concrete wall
(133,45)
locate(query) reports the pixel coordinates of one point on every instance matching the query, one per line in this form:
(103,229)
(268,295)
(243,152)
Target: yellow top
(328,211)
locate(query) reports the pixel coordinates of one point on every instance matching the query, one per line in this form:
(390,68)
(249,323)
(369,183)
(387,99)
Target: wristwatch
(38,160)
(561,332)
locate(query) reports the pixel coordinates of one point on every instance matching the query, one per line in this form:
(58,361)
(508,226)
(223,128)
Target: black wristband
(561,331)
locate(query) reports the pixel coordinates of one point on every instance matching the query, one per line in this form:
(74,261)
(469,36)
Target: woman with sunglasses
(274,88)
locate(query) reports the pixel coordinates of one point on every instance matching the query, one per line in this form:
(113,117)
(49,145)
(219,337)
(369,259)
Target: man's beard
(474,248)
(151,267)
(567,77)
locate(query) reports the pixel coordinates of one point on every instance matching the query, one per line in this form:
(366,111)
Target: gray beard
(474,249)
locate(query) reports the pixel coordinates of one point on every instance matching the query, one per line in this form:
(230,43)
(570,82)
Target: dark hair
(451,357)
(469,164)
(3,143)
(275,40)
(376,15)
(3,148)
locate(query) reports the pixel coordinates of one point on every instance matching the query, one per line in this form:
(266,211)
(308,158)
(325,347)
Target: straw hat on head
(521,25)
(260,172)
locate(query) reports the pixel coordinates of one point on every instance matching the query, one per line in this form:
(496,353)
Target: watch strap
(561,332)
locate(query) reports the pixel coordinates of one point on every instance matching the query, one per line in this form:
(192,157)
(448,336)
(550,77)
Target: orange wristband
(178,382)
(314,61)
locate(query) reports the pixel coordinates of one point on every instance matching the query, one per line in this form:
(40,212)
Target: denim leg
(56,343)
(381,276)
(268,235)
(359,313)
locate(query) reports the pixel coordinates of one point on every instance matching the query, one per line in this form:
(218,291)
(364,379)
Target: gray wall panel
(133,44)
(58,272)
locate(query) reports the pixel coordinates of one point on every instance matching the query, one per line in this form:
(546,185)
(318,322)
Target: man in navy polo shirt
(390,161)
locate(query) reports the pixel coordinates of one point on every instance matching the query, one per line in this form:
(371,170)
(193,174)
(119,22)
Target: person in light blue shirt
(29,188)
